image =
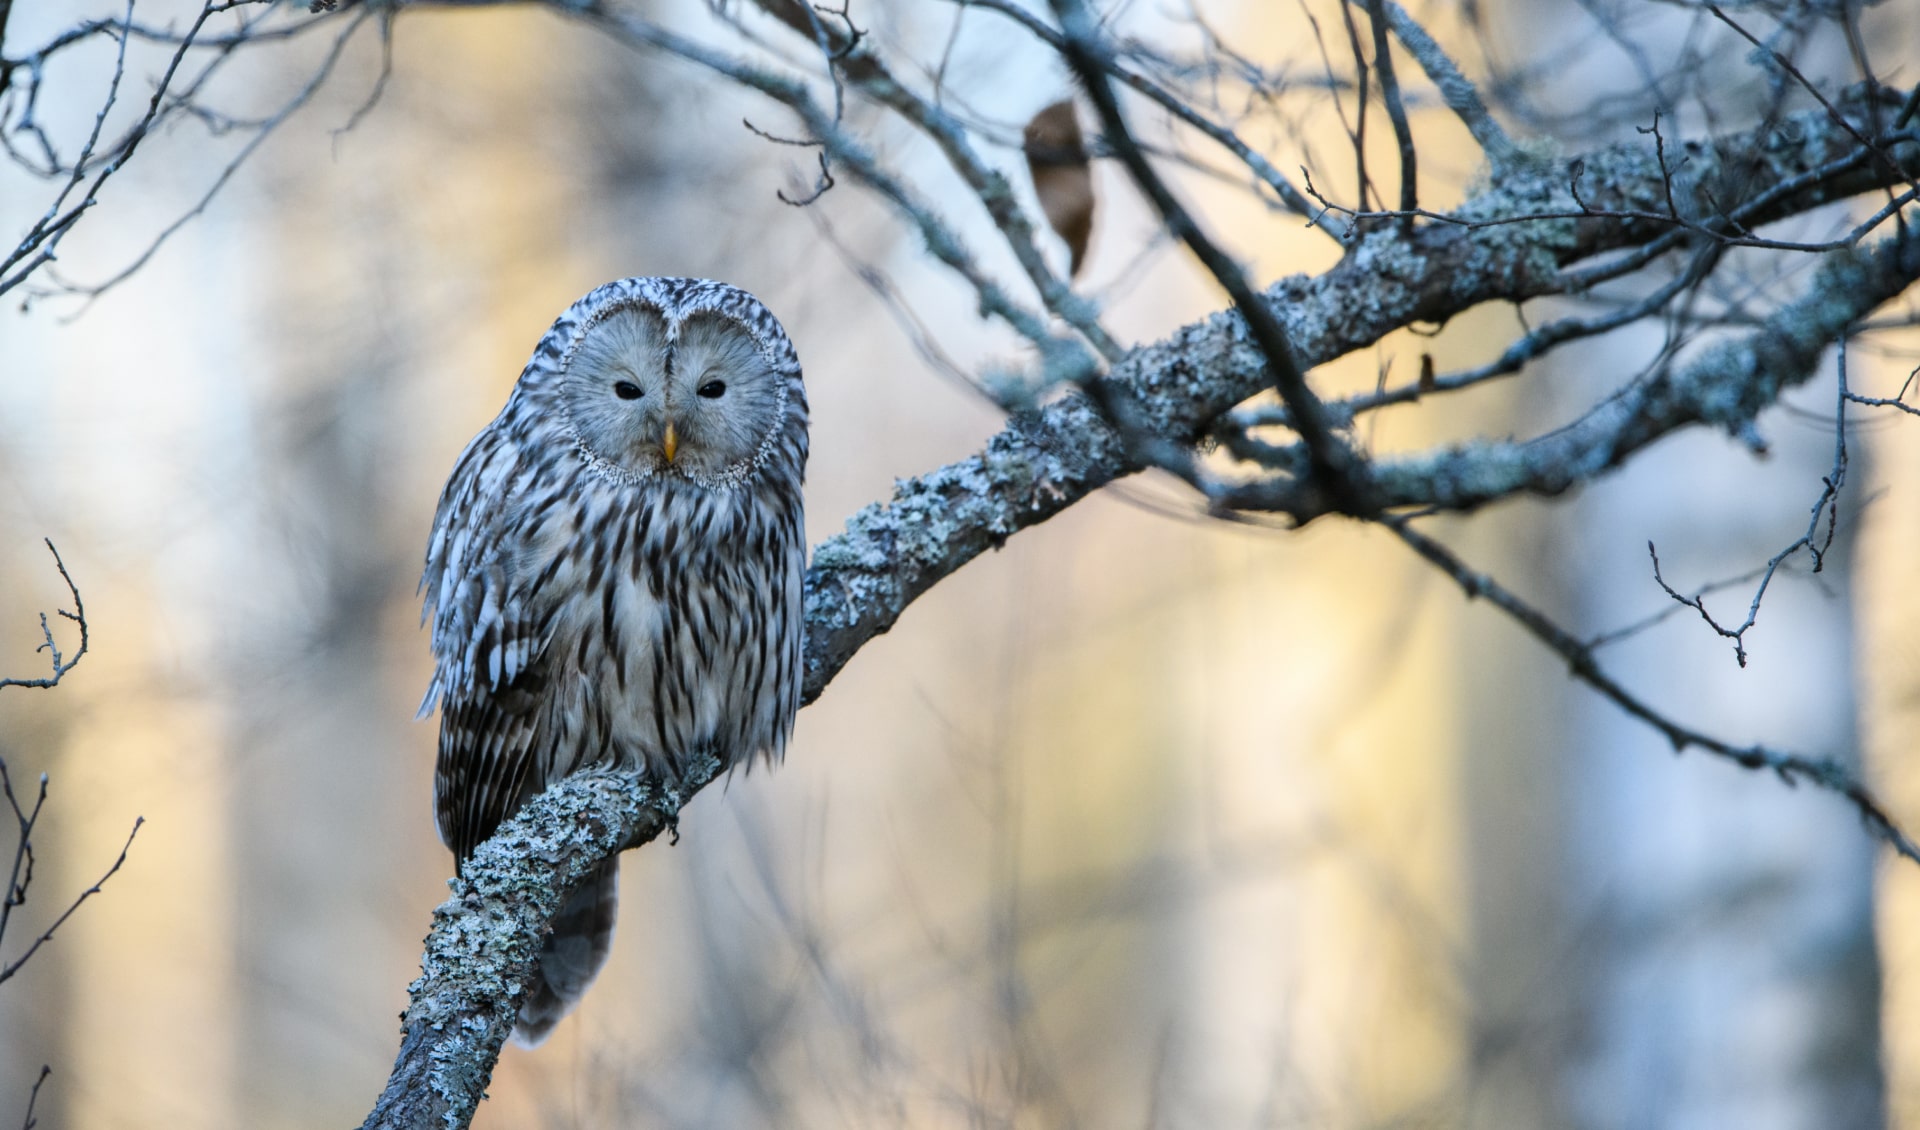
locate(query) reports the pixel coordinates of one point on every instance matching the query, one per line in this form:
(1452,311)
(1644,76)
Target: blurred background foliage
(1145,820)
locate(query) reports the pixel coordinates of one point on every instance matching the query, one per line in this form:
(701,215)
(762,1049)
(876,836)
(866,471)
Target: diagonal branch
(1791,768)
(1726,387)
(1455,89)
(488,934)
(7,971)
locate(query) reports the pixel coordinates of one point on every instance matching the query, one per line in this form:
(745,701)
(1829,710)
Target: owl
(614,575)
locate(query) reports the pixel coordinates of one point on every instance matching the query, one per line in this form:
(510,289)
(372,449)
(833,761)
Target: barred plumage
(614,573)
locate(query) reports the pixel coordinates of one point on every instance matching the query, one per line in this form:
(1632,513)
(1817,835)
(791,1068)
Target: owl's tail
(572,955)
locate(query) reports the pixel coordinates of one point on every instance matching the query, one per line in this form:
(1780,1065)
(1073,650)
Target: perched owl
(614,574)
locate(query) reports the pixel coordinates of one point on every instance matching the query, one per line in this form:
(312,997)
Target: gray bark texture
(1517,239)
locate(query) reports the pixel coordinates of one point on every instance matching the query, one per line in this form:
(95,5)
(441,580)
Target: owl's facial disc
(697,399)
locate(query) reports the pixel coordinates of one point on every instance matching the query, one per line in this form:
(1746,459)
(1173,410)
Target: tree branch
(1455,89)
(61,663)
(1046,459)
(1726,387)
(1791,768)
(486,937)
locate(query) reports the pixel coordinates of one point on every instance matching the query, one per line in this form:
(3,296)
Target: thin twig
(40,246)
(1654,620)
(47,935)
(1397,113)
(61,664)
(20,876)
(33,1096)
(1289,196)
(1897,400)
(1791,768)
(1816,544)
(265,129)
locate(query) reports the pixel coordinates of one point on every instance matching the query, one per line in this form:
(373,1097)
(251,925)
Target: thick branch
(485,938)
(1727,387)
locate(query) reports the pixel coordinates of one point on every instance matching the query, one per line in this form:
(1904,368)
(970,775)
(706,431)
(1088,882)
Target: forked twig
(61,664)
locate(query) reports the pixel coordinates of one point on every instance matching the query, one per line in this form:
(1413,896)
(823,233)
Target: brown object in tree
(1062,178)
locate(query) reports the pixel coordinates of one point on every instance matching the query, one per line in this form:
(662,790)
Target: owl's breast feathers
(579,621)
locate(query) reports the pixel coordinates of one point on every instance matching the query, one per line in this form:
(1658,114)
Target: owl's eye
(626,390)
(713,390)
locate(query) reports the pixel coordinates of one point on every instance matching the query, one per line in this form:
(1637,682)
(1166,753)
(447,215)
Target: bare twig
(1628,631)
(46,935)
(821,185)
(33,1096)
(1897,400)
(1791,768)
(263,130)
(1814,541)
(39,247)
(20,875)
(1397,112)
(61,664)
(1270,177)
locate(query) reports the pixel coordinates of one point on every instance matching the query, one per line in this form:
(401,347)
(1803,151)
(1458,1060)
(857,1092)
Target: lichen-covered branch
(487,935)
(1726,388)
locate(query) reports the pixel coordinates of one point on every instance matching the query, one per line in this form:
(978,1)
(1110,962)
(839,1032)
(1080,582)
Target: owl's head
(680,377)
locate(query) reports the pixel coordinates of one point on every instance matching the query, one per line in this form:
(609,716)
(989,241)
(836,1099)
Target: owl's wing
(490,669)
(486,759)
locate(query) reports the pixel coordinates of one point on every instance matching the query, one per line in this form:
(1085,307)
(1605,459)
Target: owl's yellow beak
(669,442)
